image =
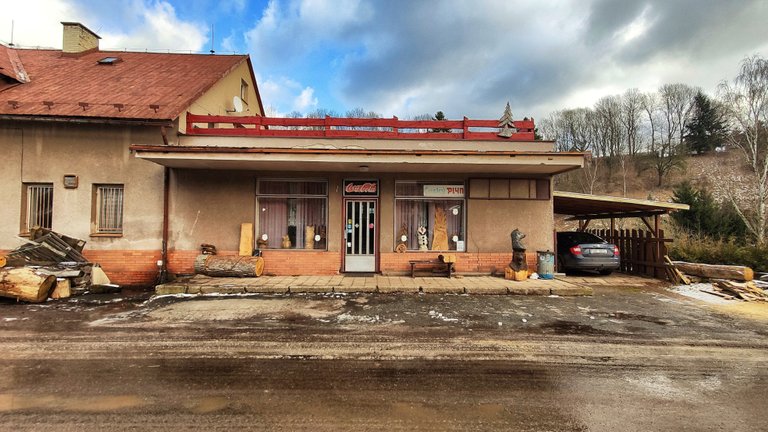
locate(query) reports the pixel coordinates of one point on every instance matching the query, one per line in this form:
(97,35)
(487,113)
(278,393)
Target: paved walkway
(561,285)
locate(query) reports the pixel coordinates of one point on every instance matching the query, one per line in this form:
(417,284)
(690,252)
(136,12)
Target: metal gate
(360,236)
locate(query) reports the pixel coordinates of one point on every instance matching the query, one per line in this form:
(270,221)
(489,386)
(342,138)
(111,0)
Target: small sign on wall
(70,181)
(444,191)
(361,188)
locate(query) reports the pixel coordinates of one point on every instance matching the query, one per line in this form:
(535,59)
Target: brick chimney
(78,39)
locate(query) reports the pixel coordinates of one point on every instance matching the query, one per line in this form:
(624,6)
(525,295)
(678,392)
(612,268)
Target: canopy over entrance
(588,207)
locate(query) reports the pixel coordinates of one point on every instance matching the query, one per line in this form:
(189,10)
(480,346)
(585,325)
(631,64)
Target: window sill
(106,235)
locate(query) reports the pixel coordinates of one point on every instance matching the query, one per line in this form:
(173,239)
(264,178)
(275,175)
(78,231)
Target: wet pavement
(626,358)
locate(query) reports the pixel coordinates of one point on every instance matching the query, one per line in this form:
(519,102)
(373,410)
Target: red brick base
(276,262)
(127,267)
(466,262)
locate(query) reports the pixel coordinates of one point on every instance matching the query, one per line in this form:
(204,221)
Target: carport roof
(587,207)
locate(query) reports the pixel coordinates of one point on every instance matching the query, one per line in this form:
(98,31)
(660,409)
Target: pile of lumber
(49,265)
(740,290)
(46,247)
(674,274)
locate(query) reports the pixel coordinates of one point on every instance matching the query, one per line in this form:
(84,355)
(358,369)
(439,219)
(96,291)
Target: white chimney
(78,38)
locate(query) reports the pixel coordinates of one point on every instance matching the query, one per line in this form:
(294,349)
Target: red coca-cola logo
(360,188)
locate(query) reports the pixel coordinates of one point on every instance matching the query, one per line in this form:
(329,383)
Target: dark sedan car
(584,251)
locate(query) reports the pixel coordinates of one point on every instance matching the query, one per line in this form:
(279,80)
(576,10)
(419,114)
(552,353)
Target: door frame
(376,232)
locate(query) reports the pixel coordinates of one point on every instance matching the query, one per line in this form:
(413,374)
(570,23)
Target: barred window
(108,209)
(37,206)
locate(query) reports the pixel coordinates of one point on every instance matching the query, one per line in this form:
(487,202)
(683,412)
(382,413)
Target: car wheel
(606,272)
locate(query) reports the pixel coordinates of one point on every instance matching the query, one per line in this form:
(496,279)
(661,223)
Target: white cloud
(305,100)
(283,95)
(154,24)
(37,22)
(159,29)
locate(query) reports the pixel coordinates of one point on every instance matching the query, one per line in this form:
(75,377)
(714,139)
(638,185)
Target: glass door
(360,239)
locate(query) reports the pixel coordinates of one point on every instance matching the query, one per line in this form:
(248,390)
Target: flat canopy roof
(587,207)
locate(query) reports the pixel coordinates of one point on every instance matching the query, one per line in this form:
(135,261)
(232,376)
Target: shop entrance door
(360,236)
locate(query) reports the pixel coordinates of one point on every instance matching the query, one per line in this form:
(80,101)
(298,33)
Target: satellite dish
(237,103)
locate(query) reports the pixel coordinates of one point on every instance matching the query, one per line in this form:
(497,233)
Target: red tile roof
(151,86)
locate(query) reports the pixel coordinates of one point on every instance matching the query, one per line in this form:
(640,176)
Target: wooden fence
(642,253)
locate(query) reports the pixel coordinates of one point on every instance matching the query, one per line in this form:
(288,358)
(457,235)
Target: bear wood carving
(286,242)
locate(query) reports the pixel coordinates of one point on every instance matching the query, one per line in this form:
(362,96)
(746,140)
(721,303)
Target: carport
(642,250)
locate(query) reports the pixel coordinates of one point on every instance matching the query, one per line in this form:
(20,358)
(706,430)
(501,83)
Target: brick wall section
(127,267)
(466,262)
(276,262)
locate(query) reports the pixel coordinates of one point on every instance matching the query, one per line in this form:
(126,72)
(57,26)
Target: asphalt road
(621,360)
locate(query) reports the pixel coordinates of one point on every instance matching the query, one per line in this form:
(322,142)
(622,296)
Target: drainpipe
(164,253)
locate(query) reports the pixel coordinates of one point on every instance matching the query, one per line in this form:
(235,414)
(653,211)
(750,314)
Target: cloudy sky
(409,57)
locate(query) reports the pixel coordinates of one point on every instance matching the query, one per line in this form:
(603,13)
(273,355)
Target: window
(107,213)
(292,214)
(244,90)
(37,206)
(438,207)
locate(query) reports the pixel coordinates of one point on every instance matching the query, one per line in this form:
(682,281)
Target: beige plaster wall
(45,152)
(490,222)
(218,99)
(209,206)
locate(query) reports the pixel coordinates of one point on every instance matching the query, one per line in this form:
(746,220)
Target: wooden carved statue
(309,237)
(286,242)
(517,240)
(422,237)
(518,251)
(440,234)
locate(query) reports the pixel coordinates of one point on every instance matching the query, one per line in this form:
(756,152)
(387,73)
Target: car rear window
(582,237)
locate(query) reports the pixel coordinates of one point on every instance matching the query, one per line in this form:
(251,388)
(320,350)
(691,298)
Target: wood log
(229,266)
(3,261)
(716,271)
(63,289)
(23,283)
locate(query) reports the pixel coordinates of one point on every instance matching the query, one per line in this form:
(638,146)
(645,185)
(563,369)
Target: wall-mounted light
(363,168)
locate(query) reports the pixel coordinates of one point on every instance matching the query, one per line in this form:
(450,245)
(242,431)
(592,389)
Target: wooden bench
(436,265)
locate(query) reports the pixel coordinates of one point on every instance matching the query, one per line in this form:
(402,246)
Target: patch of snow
(9,319)
(695,291)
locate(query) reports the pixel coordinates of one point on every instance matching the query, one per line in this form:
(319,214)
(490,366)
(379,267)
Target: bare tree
(745,100)
(631,112)
(667,112)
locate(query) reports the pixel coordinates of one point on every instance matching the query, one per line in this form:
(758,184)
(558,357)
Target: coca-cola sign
(361,188)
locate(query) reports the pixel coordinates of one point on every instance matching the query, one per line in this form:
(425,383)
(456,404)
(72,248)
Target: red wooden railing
(338,127)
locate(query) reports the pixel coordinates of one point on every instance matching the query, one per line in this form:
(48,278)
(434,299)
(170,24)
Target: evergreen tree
(706,216)
(706,130)
(439,116)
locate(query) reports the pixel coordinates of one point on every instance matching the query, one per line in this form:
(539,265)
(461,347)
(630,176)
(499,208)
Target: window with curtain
(438,207)
(107,209)
(292,213)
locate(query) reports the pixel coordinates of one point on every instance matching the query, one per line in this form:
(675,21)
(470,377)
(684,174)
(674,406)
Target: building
(67,119)
(148,156)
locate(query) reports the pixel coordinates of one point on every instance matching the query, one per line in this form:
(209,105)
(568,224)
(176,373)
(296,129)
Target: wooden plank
(246,239)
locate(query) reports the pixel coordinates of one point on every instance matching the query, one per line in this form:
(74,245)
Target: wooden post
(246,239)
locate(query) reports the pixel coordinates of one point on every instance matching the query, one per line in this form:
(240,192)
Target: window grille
(109,201)
(39,206)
